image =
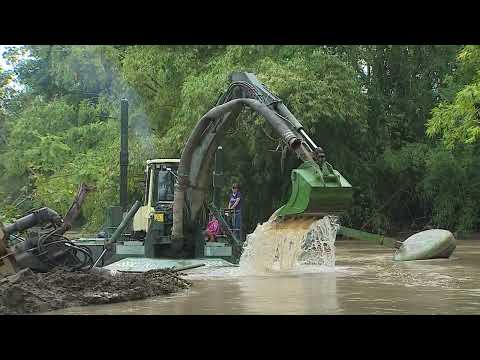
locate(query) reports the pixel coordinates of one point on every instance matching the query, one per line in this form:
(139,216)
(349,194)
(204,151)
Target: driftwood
(75,208)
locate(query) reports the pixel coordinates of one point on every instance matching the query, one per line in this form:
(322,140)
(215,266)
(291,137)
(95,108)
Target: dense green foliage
(400,122)
(456,119)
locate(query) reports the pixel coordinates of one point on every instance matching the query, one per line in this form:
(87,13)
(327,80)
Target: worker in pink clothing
(213,229)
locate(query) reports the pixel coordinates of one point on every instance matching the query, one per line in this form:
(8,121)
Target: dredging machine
(170,220)
(166,228)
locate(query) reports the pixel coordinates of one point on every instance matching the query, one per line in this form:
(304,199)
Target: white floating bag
(429,244)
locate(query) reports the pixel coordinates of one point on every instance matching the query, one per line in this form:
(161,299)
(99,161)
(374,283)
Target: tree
(180,84)
(402,84)
(457,119)
(367,106)
(63,129)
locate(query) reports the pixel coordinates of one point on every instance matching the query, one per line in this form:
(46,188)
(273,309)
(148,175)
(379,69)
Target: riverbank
(28,292)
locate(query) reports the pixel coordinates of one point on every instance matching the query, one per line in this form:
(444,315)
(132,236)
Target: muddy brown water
(365,281)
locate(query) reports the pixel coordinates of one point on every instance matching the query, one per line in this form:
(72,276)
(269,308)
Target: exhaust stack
(124,155)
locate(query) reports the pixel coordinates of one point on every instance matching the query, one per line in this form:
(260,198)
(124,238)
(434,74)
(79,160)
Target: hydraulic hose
(288,135)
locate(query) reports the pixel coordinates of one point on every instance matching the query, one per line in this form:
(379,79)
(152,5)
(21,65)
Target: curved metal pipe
(221,112)
(37,217)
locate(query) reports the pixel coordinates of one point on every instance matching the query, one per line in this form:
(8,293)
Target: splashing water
(319,242)
(283,245)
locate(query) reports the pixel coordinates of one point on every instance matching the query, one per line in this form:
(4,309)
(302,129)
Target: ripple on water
(237,272)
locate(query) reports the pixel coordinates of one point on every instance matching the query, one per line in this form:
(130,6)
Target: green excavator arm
(317,188)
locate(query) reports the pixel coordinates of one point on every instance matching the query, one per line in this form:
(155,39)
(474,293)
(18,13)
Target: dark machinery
(317,189)
(42,249)
(171,220)
(44,246)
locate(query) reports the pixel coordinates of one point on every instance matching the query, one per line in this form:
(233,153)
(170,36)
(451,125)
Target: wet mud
(28,292)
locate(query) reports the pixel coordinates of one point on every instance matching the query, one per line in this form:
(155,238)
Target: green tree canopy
(367,106)
(457,119)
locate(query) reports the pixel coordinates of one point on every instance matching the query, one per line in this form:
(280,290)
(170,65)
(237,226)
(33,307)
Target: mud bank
(29,292)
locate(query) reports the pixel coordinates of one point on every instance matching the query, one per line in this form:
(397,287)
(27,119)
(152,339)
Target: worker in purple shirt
(235,203)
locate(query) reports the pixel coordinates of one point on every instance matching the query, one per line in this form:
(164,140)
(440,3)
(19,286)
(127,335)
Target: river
(365,281)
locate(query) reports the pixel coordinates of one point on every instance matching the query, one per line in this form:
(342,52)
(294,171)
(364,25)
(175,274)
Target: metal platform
(217,249)
(132,264)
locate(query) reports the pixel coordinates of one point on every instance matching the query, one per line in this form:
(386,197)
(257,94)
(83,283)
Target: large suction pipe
(288,135)
(283,111)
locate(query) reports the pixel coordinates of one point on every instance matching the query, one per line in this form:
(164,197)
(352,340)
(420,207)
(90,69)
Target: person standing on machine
(235,204)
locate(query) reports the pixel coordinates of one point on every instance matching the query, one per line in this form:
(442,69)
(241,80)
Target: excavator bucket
(317,192)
